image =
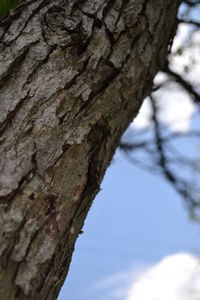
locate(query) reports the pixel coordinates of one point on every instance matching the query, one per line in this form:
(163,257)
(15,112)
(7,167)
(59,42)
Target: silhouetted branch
(191,3)
(191,22)
(182,82)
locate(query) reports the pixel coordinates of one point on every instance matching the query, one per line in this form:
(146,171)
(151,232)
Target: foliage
(6,6)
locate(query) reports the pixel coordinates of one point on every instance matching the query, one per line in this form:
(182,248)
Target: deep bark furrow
(5,76)
(12,114)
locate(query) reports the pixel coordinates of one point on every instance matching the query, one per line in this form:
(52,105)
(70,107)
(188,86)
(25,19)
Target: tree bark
(73,75)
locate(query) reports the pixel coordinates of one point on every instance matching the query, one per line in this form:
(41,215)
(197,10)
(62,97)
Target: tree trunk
(73,75)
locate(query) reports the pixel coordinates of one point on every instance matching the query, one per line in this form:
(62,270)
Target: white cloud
(189,57)
(176,277)
(117,285)
(175,110)
(143,118)
(181,37)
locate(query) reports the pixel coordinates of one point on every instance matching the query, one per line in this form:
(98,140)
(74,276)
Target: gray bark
(73,75)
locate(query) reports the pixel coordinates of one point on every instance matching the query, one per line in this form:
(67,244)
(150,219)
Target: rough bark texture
(73,75)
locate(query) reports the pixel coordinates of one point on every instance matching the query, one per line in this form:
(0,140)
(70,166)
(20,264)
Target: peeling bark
(73,75)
